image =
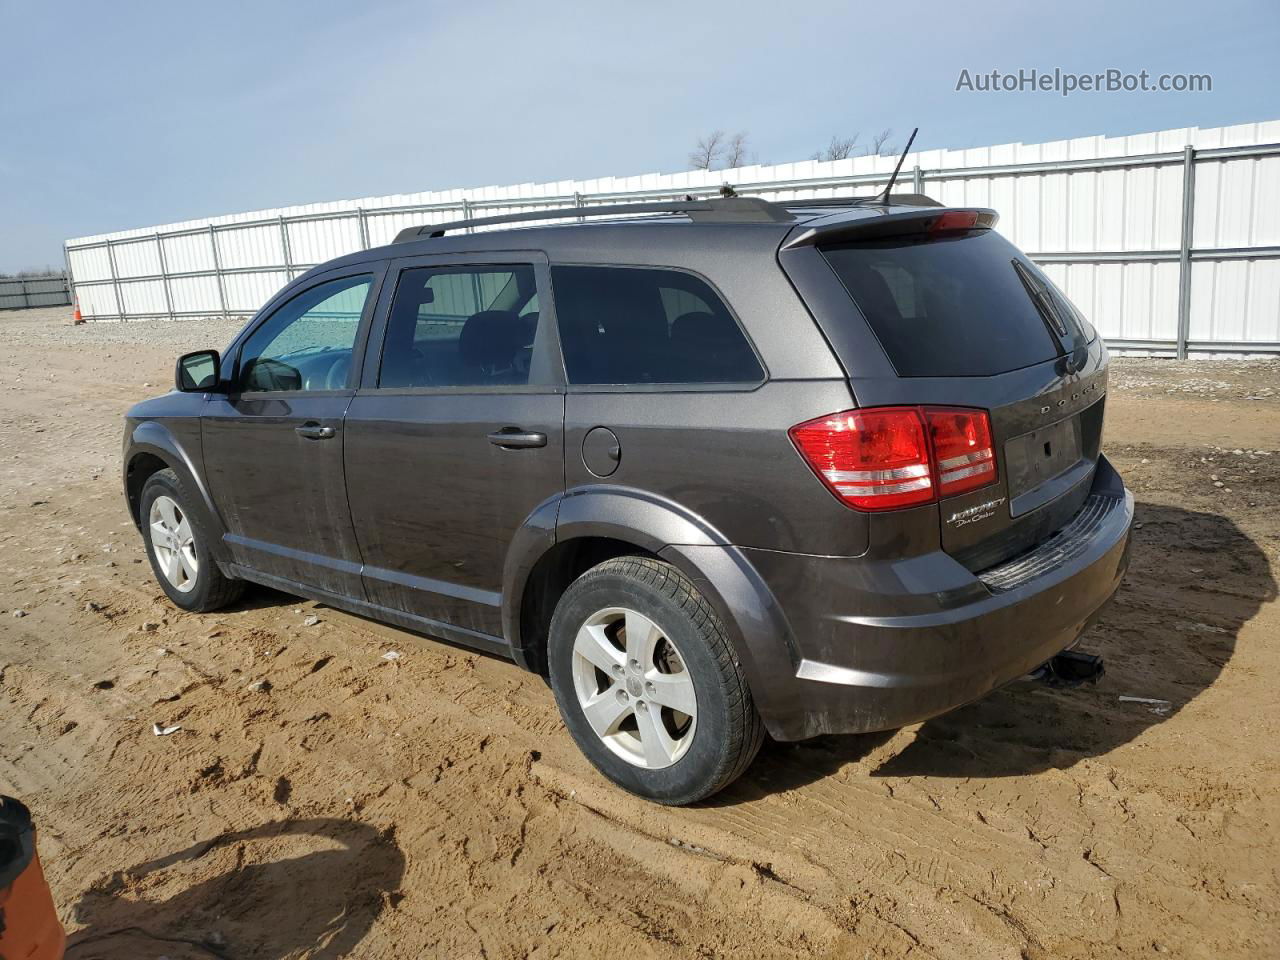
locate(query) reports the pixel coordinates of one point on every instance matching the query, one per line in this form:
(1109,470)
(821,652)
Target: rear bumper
(877,645)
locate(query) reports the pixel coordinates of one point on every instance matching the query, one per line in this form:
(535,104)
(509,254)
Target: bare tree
(707,150)
(32,273)
(840,148)
(877,147)
(736,152)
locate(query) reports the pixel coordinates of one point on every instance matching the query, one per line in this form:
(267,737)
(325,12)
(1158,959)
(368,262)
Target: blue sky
(117,115)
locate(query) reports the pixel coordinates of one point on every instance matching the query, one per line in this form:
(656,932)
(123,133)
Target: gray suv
(714,468)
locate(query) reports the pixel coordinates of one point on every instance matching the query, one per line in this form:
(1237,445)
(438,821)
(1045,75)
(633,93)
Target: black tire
(211,590)
(728,730)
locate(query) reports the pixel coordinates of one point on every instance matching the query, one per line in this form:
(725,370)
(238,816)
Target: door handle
(313,431)
(513,438)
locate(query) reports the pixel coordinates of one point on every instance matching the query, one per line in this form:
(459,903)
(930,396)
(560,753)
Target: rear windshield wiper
(1044,304)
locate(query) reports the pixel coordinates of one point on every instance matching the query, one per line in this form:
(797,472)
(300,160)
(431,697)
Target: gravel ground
(321,800)
(1217,378)
(52,326)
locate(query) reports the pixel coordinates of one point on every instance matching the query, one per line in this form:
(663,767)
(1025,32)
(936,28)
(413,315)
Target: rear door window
(949,306)
(631,325)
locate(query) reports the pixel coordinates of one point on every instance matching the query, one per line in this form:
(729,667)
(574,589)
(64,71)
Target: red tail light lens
(875,459)
(962,450)
(882,458)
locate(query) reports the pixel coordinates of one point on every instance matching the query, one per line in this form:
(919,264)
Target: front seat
(489,344)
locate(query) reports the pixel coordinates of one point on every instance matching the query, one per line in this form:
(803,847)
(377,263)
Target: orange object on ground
(29,927)
(75,317)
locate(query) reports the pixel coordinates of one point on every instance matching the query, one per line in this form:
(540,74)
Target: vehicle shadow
(259,597)
(1194,580)
(320,901)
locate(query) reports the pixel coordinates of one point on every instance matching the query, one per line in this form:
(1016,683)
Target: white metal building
(1169,241)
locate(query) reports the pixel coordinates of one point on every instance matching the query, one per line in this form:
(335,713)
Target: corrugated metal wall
(20,293)
(1167,249)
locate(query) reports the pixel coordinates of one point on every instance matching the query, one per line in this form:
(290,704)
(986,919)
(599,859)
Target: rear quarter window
(633,325)
(948,306)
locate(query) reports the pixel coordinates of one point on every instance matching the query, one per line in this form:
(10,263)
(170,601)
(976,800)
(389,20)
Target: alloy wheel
(173,543)
(634,688)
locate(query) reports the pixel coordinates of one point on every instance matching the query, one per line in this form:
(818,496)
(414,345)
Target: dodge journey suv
(714,468)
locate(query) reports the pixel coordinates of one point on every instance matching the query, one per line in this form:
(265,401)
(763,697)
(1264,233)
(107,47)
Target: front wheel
(645,679)
(178,550)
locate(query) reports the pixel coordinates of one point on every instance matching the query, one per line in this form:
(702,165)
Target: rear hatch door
(941,310)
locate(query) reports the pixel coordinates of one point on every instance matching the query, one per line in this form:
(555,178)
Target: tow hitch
(1069,669)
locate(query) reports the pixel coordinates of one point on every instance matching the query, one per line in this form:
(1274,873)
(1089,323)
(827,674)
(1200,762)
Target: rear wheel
(177,548)
(646,682)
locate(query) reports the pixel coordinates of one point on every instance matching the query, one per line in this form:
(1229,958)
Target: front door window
(306,344)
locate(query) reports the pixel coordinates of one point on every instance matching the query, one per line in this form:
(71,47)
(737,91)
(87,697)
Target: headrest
(409,303)
(702,326)
(491,338)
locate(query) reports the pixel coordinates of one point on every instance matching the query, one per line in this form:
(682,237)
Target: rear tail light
(874,459)
(882,458)
(962,450)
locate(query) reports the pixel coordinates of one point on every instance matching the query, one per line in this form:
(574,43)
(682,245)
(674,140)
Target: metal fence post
(917,179)
(164,276)
(364,228)
(115,281)
(578,202)
(217,272)
(284,246)
(466,212)
(70,282)
(1184,251)
(26,295)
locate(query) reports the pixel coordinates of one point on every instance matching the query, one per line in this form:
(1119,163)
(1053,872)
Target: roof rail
(726,210)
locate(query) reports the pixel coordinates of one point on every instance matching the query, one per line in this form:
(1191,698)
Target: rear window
(628,325)
(951,306)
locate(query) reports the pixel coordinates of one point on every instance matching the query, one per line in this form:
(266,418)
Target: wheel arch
(565,538)
(153,448)
(561,564)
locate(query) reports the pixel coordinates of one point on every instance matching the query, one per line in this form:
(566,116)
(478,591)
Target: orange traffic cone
(30,930)
(76,319)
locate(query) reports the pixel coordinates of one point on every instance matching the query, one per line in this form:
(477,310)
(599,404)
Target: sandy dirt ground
(322,801)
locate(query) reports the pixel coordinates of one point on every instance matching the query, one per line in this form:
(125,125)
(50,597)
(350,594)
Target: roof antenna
(883,198)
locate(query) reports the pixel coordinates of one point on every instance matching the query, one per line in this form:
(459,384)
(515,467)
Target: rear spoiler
(892,224)
(893,200)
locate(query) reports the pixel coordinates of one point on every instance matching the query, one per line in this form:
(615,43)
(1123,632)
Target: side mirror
(197,372)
